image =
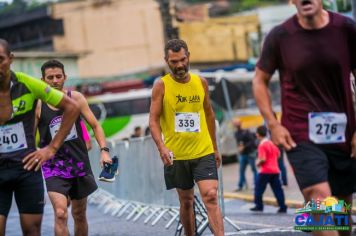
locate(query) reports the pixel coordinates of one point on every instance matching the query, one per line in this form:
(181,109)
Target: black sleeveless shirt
(72,159)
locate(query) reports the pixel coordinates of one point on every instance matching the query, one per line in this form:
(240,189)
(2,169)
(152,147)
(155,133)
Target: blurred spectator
(147,131)
(86,135)
(137,132)
(281,165)
(246,143)
(267,160)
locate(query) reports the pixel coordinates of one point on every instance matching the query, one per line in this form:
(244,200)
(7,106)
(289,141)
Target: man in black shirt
(246,144)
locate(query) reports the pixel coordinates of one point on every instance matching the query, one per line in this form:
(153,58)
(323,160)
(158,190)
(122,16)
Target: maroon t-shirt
(315,68)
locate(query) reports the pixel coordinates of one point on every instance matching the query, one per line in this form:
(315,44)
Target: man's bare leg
(59,203)
(31,224)
(186,199)
(321,191)
(348,200)
(209,192)
(79,210)
(2,225)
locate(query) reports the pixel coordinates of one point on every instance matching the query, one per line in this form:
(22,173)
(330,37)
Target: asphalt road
(266,223)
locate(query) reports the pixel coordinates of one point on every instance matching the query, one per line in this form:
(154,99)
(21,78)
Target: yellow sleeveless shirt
(183,120)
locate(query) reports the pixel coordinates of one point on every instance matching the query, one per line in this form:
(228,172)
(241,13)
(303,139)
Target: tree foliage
(19,6)
(243,5)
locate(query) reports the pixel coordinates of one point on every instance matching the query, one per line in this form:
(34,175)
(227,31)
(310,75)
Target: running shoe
(110,170)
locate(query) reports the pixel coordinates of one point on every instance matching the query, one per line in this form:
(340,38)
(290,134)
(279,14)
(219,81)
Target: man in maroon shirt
(315,54)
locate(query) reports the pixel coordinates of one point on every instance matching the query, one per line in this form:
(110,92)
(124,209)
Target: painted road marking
(261,231)
(255,224)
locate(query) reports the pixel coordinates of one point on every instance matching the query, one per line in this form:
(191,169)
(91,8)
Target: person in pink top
(86,135)
(267,160)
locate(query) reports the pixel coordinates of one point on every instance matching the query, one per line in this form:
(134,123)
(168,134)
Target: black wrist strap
(106,149)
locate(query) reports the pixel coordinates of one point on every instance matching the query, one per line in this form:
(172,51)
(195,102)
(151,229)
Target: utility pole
(167,20)
(334,6)
(353,3)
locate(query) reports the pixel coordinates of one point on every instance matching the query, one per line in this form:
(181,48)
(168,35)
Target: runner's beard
(180,73)
(3,76)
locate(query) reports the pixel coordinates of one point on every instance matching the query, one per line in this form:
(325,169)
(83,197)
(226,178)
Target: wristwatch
(106,149)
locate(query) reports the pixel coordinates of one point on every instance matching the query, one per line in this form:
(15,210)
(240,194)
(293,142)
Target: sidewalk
(294,198)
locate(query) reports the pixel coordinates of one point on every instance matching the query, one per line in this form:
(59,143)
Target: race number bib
(187,122)
(54,127)
(327,127)
(12,138)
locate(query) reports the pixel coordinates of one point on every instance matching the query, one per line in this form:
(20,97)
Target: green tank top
(17,135)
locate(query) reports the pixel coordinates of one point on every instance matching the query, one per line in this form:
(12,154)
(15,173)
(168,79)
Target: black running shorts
(26,185)
(76,188)
(314,164)
(182,174)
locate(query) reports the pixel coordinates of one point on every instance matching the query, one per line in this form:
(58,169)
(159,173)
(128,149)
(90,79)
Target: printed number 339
(186,123)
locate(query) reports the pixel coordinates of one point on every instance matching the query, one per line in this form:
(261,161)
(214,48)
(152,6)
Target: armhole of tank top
(202,85)
(164,88)
(40,114)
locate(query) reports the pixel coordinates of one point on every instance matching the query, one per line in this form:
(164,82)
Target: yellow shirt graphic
(183,120)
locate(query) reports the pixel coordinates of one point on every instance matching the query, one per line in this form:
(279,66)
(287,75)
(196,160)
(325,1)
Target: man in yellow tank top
(181,111)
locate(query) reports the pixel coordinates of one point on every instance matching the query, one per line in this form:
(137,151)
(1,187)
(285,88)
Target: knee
(316,192)
(61,214)
(33,230)
(211,197)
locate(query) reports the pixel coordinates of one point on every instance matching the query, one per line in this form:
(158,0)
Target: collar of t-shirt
(264,140)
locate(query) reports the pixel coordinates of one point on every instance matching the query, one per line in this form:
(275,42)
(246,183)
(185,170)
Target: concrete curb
(268,200)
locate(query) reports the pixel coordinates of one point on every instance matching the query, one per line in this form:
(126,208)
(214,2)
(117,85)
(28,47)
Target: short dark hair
(175,45)
(6,46)
(137,128)
(51,64)
(262,131)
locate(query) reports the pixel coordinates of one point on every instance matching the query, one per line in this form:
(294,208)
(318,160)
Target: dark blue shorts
(26,185)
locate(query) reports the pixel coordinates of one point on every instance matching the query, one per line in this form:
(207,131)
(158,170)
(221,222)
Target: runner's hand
(165,154)
(281,136)
(104,157)
(353,146)
(35,159)
(217,158)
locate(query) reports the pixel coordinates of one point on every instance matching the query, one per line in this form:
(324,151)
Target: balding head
(237,123)
(5,45)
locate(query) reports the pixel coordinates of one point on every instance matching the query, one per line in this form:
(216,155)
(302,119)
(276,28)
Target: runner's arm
(263,98)
(37,114)
(261,156)
(353,141)
(154,121)
(70,113)
(279,134)
(94,124)
(42,91)
(210,121)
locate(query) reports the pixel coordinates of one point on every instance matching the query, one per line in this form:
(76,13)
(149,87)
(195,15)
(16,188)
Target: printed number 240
(7,140)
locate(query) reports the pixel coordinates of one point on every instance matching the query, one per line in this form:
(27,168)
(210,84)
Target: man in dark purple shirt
(315,54)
